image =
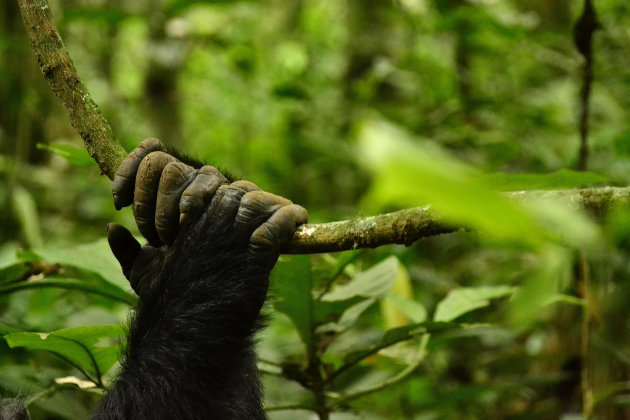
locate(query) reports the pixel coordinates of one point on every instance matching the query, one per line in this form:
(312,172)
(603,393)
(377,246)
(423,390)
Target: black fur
(13,409)
(190,352)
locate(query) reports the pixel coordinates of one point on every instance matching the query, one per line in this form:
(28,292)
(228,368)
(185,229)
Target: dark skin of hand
(202,279)
(167,194)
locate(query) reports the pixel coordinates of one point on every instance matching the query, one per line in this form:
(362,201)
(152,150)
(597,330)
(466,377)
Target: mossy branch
(59,71)
(402,227)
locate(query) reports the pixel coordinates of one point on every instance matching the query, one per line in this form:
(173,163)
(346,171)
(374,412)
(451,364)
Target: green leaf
(339,316)
(95,285)
(91,349)
(570,226)
(466,299)
(13,272)
(400,299)
(373,282)
(397,335)
(74,155)
(5,329)
(290,285)
(27,256)
(345,258)
(409,173)
(567,299)
(561,179)
(95,256)
(410,308)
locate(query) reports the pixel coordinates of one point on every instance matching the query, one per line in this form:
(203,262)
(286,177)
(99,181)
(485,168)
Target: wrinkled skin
(201,280)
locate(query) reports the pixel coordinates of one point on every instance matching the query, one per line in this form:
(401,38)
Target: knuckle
(153,156)
(177,170)
(186,201)
(300,214)
(149,143)
(253,199)
(210,170)
(210,177)
(263,236)
(233,191)
(245,185)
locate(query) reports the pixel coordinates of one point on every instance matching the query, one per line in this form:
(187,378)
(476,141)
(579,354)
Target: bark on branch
(402,227)
(59,71)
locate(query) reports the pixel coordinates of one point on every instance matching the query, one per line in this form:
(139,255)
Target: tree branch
(59,71)
(402,227)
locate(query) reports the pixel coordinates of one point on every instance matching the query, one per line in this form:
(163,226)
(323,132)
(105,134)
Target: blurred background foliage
(347,107)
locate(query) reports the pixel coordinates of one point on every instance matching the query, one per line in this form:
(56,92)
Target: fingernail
(116,202)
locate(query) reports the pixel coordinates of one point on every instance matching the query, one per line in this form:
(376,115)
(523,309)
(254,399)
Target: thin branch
(59,71)
(402,227)
(583,32)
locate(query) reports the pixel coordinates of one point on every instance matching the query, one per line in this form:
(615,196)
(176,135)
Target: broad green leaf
(413,310)
(568,299)
(91,349)
(561,179)
(466,299)
(102,287)
(344,259)
(27,256)
(339,316)
(95,256)
(291,286)
(570,225)
(74,155)
(13,272)
(400,291)
(5,329)
(397,335)
(291,282)
(373,282)
(409,174)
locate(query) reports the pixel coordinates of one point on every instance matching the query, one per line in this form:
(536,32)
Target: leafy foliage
(346,107)
(86,348)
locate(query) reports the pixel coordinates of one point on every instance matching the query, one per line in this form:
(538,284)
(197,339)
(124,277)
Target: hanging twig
(583,32)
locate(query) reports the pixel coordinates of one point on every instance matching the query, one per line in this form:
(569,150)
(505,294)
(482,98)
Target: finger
(125,178)
(255,208)
(123,245)
(176,176)
(226,201)
(143,275)
(200,192)
(146,191)
(278,229)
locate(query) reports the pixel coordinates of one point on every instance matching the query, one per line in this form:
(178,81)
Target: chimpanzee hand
(202,280)
(196,218)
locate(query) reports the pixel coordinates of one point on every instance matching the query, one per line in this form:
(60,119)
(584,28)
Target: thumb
(123,245)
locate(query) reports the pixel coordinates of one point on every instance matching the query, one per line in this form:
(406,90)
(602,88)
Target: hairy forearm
(184,348)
